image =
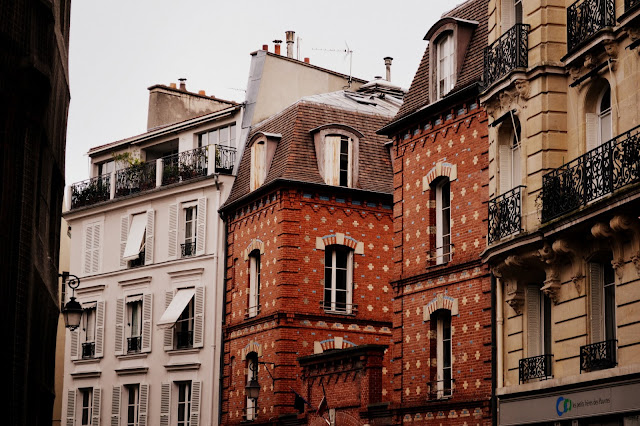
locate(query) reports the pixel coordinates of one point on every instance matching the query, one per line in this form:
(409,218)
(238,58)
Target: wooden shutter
(596,296)
(508,15)
(147,316)
(201,227)
(115,405)
(124,233)
(504,159)
(198,320)
(332,160)
(533,320)
(75,341)
(100,329)
(591,131)
(95,409)
(173,231)
(165,404)
(119,343)
(148,245)
(71,407)
(195,403)
(168,332)
(97,245)
(144,404)
(88,246)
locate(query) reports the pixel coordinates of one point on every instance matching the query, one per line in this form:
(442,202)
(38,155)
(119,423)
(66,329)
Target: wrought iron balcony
(188,249)
(184,166)
(88,350)
(225,159)
(136,178)
(508,52)
(601,171)
(134,344)
(139,261)
(536,367)
(630,4)
(91,191)
(184,339)
(505,214)
(585,18)
(440,389)
(339,308)
(252,311)
(598,356)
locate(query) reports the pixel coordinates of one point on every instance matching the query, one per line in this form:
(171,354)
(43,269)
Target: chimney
(202,92)
(387,63)
(277,46)
(290,37)
(183,84)
(306,60)
(265,47)
(172,85)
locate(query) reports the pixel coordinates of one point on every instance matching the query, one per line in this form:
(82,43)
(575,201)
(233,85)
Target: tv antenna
(347,52)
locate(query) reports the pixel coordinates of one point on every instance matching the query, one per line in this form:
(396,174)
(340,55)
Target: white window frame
(133,389)
(183,404)
(255,271)
(330,280)
(444,344)
(443,211)
(134,312)
(213,136)
(190,237)
(251,412)
(445,65)
(88,392)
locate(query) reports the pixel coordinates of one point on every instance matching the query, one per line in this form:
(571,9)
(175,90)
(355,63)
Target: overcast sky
(118,48)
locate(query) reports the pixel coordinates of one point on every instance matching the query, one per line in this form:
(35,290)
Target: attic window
(337,151)
(258,164)
(445,70)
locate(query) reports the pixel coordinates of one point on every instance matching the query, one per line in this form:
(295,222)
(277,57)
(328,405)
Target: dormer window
(337,154)
(263,148)
(445,69)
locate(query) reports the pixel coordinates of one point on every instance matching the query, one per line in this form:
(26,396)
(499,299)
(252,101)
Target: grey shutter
(504,159)
(172,251)
(201,227)
(195,403)
(147,316)
(165,404)
(168,332)
(508,15)
(144,404)
(97,244)
(100,329)
(88,246)
(533,320)
(115,405)
(596,296)
(198,320)
(148,245)
(124,233)
(516,166)
(95,409)
(75,340)
(119,343)
(71,407)
(591,129)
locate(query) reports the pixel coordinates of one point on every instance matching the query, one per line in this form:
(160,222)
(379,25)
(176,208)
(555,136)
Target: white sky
(118,48)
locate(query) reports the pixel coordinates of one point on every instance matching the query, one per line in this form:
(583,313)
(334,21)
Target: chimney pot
(290,35)
(387,63)
(202,92)
(306,60)
(172,85)
(265,47)
(277,46)
(183,84)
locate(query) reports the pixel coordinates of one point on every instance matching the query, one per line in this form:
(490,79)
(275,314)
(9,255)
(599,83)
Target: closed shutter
(168,332)
(172,251)
(75,340)
(201,228)
(195,403)
(95,409)
(591,131)
(148,245)
(505,168)
(533,320)
(88,248)
(71,407)
(115,405)
(119,343)
(165,404)
(597,291)
(198,320)
(147,316)
(332,160)
(124,233)
(516,171)
(97,244)
(100,329)
(144,404)
(508,15)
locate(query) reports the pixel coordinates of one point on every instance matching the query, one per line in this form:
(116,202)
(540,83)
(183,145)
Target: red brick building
(309,260)
(442,299)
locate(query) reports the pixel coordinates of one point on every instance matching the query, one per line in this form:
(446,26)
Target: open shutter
(95,409)
(97,245)
(332,159)
(71,407)
(201,229)
(173,231)
(147,316)
(88,248)
(596,285)
(124,233)
(165,404)
(144,404)
(504,159)
(533,320)
(100,329)
(198,318)
(148,245)
(168,332)
(195,403)
(591,131)
(508,15)
(115,405)
(119,344)
(75,340)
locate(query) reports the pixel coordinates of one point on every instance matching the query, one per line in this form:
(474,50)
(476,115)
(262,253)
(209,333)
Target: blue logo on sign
(563,405)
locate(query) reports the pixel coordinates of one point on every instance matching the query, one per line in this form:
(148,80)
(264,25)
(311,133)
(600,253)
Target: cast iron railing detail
(630,4)
(505,214)
(184,339)
(340,308)
(440,389)
(136,178)
(134,344)
(184,166)
(138,261)
(585,18)
(225,159)
(508,52)
(598,356)
(88,350)
(607,168)
(91,191)
(188,249)
(536,367)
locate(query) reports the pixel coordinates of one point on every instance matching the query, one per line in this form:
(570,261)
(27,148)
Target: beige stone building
(562,93)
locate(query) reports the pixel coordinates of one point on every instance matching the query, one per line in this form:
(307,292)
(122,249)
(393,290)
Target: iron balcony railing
(188,249)
(508,52)
(598,356)
(225,159)
(88,350)
(585,18)
(136,178)
(252,311)
(91,191)
(184,339)
(134,344)
(535,367)
(440,389)
(184,166)
(630,4)
(339,308)
(139,261)
(505,214)
(601,171)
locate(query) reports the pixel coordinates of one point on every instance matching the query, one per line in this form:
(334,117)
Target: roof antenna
(347,52)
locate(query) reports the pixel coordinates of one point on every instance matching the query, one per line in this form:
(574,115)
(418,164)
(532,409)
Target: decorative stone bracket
(622,225)
(605,231)
(564,248)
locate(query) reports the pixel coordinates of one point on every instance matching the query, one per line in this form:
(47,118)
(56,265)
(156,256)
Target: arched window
(510,155)
(599,126)
(444,64)
(604,116)
(253,307)
(443,220)
(338,279)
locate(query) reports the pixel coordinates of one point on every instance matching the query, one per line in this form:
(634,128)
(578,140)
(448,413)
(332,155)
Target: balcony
(134,344)
(598,356)
(184,339)
(505,214)
(601,171)
(184,166)
(225,159)
(585,18)
(536,367)
(139,261)
(91,191)
(88,350)
(136,178)
(188,249)
(339,308)
(440,389)
(507,53)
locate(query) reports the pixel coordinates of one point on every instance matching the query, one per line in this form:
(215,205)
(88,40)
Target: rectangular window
(254,284)
(609,310)
(344,161)
(89,331)
(106,167)
(133,404)
(190,227)
(444,385)
(184,328)
(443,221)
(184,403)
(86,395)
(224,136)
(338,279)
(134,251)
(134,318)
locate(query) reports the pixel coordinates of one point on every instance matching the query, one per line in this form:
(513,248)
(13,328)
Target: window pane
(203,140)
(328,258)
(341,299)
(213,137)
(341,279)
(224,136)
(344,178)
(341,258)
(344,146)
(327,298)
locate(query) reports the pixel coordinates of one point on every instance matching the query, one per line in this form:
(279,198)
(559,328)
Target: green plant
(126,159)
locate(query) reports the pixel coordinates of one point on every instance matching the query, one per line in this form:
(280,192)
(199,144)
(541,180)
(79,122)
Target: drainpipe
(499,332)
(496,344)
(224,311)
(215,299)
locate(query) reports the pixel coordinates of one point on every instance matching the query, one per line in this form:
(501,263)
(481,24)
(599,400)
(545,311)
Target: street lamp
(72,311)
(253,387)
